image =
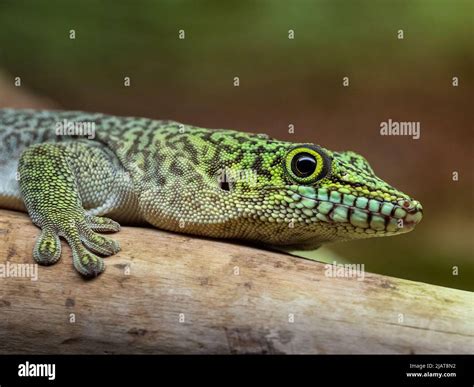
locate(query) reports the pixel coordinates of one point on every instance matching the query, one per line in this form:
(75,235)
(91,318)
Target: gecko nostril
(411,206)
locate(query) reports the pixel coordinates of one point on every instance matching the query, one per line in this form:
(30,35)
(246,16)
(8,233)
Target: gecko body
(181,178)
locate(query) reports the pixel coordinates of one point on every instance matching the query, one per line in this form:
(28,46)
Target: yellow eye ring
(307,164)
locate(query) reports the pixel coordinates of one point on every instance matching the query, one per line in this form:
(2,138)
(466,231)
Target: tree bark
(171,293)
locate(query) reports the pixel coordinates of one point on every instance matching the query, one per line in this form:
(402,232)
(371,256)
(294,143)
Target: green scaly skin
(170,175)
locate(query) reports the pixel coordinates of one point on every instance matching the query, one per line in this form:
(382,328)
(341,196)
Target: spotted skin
(213,183)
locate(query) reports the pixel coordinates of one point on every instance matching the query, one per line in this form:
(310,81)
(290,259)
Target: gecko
(78,184)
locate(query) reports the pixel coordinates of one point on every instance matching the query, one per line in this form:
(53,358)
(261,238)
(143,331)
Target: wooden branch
(190,295)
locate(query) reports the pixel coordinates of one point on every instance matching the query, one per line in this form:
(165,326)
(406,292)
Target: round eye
(307,164)
(303,164)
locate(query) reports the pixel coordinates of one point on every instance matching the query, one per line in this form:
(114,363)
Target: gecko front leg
(50,187)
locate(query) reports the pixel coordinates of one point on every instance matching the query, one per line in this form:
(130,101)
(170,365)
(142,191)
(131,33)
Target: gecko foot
(81,238)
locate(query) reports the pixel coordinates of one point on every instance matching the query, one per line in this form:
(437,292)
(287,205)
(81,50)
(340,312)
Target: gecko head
(305,195)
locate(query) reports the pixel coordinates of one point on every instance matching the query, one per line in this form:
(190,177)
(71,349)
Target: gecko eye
(303,164)
(307,164)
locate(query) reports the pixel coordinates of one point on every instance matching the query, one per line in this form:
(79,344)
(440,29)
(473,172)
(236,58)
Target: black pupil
(304,164)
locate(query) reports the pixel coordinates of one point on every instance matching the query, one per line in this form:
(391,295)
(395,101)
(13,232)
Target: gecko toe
(102,224)
(86,263)
(100,244)
(47,250)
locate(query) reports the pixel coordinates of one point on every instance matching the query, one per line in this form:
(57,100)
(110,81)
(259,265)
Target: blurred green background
(282,81)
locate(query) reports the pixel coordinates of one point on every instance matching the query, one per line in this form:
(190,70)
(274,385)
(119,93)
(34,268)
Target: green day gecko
(181,178)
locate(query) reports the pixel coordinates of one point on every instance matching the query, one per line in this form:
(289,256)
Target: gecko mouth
(370,216)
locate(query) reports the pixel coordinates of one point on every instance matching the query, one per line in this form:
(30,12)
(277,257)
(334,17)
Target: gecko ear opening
(225,186)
